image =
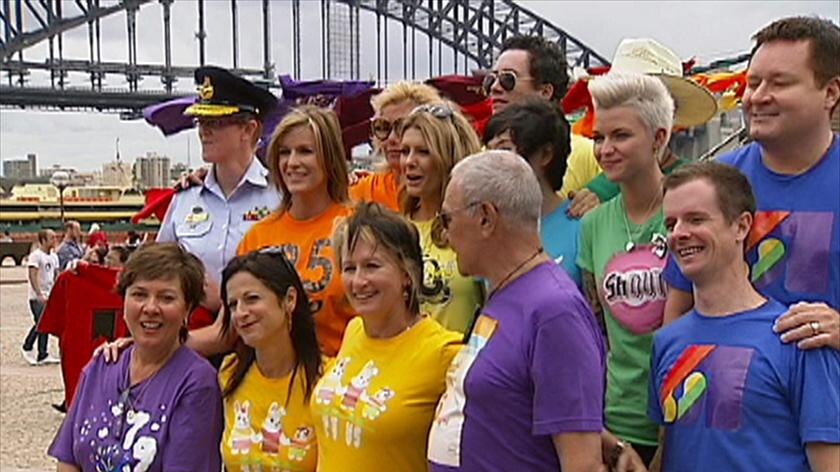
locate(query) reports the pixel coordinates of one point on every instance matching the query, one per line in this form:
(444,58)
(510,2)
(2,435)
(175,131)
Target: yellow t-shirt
(456,298)
(266,424)
(379,187)
(581,166)
(374,406)
(308,246)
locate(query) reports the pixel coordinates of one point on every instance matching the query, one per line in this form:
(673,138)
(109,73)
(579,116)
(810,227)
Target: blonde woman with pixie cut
(306,160)
(434,138)
(622,249)
(390,107)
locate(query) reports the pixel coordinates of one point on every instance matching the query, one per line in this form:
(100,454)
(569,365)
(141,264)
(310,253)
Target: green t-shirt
(629,284)
(606,189)
(456,297)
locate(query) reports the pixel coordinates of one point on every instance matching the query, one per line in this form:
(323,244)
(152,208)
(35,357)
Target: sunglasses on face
(445,217)
(381,128)
(507,79)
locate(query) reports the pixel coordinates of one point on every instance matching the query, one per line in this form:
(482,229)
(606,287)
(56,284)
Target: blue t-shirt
(794,246)
(733,397)
(559,234)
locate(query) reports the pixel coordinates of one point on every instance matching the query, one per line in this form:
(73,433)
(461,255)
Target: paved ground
(27,422)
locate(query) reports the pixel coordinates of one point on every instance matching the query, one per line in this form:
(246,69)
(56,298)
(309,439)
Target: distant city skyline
(718,29)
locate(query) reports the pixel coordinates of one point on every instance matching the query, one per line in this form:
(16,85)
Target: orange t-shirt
(308,246)
(379,187)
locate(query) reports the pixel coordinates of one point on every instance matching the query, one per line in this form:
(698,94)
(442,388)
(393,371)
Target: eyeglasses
(507,79)
(219,122)
(445,217)
(381,128)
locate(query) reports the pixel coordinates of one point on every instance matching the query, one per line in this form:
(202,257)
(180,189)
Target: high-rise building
(178,170)
(117,173)
(151,171)
(21,168)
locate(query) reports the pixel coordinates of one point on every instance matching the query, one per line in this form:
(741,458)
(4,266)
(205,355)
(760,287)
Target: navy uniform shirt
(208,224)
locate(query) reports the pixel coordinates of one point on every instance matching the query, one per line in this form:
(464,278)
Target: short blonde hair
(328,147)
(643,93)
(402,91)
(450,138)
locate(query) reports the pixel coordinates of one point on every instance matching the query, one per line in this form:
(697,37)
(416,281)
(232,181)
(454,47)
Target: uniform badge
(206,90)
(196,216)
(256,214)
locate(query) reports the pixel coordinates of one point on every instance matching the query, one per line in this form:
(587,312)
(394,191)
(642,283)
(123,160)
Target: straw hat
(694,103)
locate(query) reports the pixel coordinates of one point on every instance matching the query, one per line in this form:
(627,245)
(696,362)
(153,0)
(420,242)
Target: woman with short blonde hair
(622,248)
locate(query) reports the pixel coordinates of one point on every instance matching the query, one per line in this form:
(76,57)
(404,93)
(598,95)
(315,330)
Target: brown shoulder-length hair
(450,138)
(328,147)
(165,261)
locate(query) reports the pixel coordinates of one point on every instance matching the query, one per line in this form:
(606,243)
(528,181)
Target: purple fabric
(540,373)
(166,420)
(293,90)
(169,116)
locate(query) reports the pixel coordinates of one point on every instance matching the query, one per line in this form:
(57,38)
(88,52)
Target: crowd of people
(524,300)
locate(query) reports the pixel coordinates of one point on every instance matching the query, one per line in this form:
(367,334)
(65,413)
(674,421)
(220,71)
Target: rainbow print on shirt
(445,437)
(706,382)
(792,248)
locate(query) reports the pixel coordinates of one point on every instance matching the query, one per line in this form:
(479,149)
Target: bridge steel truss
(471,30)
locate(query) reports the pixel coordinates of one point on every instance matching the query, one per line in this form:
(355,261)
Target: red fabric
(157,202)
(200,317)
(461,89)
(354,114)
(97,237)
(75,301)
(478,113)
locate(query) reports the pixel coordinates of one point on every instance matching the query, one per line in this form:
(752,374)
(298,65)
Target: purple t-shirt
(533,367)
(170,422)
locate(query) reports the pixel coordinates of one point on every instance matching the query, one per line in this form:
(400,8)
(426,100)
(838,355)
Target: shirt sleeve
(815,393)
(584,255)
(166,233)
(603,188)
(34,259)
(568,395)
(62,445)
(674,276)
(196,425)
(654,409)
(582,166)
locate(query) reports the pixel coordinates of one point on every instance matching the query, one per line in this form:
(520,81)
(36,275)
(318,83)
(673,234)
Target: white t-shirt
(47,265)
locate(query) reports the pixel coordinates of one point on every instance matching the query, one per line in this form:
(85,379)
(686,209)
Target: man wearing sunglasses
(531,66)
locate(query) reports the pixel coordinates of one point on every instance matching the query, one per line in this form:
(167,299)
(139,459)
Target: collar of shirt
(256,175)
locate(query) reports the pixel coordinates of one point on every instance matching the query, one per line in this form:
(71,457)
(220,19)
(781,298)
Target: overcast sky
(705,30)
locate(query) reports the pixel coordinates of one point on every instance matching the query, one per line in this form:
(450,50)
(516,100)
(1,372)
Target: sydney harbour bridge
(122,55)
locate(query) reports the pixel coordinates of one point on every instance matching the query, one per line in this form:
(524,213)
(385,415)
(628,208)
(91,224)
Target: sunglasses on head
(507,79)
